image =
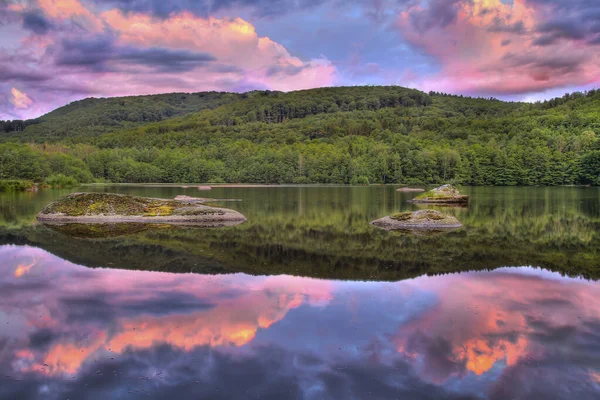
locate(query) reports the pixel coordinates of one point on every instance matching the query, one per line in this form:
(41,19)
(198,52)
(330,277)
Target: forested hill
(90,117)
(331,135)
(94,116)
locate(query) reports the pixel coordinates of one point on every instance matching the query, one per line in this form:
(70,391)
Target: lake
(306,300)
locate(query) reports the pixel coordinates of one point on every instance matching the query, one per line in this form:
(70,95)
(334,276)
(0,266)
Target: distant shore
(268,185)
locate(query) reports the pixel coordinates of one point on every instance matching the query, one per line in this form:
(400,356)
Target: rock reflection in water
(111,230)
(72,332)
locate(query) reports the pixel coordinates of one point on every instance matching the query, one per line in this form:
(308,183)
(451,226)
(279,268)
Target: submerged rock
(117,208)
(192,200)
(445,194)
(419,220)
(409,189)
(106,230)
(99,231)
(196,200)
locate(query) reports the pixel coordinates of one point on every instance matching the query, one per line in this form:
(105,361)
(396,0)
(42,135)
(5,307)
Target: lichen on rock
(445,194)
(112,207)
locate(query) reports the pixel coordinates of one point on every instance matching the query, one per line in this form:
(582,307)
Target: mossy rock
(418,220)
(445,194)
(118,208)
(421,215)
(402,216)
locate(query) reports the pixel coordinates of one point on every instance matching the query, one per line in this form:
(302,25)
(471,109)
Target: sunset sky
(53,52)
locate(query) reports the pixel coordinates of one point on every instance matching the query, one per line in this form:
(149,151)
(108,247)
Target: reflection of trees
(325,233)
(297,246)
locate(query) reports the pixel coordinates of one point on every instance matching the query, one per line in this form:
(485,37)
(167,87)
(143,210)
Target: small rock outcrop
(409,189)
(418,220)
(445,194)
(191,200)
(117,208)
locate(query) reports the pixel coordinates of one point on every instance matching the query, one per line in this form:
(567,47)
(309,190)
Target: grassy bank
(16,185)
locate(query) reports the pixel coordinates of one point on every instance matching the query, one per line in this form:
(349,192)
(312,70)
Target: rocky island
(94,208)
(419,220)
(445,194)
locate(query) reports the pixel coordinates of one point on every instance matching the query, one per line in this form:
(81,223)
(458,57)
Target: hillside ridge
(352,135)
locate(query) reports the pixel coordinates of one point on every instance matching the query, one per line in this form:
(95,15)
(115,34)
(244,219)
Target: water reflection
(72,332)
(324,232)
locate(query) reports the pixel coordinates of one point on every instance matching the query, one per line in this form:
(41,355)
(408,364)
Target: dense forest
(356,135)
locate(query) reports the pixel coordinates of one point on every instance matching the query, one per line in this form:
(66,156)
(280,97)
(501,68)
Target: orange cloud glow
(231,323)
(480,326)
(233,41)
(66,358)
(480,355)
(20,99)
(70,9)
(23,269)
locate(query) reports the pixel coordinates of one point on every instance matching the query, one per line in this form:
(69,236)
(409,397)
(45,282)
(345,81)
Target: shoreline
(268,185)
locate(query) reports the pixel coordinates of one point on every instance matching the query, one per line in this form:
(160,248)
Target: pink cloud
(229,321)
(90,53)
(260,61)
(490,48)
(491,306)
(19,99)
(71,10)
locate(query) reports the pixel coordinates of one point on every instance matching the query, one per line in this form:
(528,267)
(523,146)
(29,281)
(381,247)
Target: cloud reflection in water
(68,331)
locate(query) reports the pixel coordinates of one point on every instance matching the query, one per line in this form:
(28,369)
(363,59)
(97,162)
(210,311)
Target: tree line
(352,135)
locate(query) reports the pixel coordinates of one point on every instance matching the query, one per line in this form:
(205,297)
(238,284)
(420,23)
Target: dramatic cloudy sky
(56,51)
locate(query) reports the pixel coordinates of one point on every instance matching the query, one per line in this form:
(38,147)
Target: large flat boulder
(117,208)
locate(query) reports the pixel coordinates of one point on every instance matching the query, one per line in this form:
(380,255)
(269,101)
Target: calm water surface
(306,300)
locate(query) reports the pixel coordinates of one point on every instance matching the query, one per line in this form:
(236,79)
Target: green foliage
(359,180)
(93,116)
(61,181)
(19,161)
(590,168)
(7,185)
(339,135)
